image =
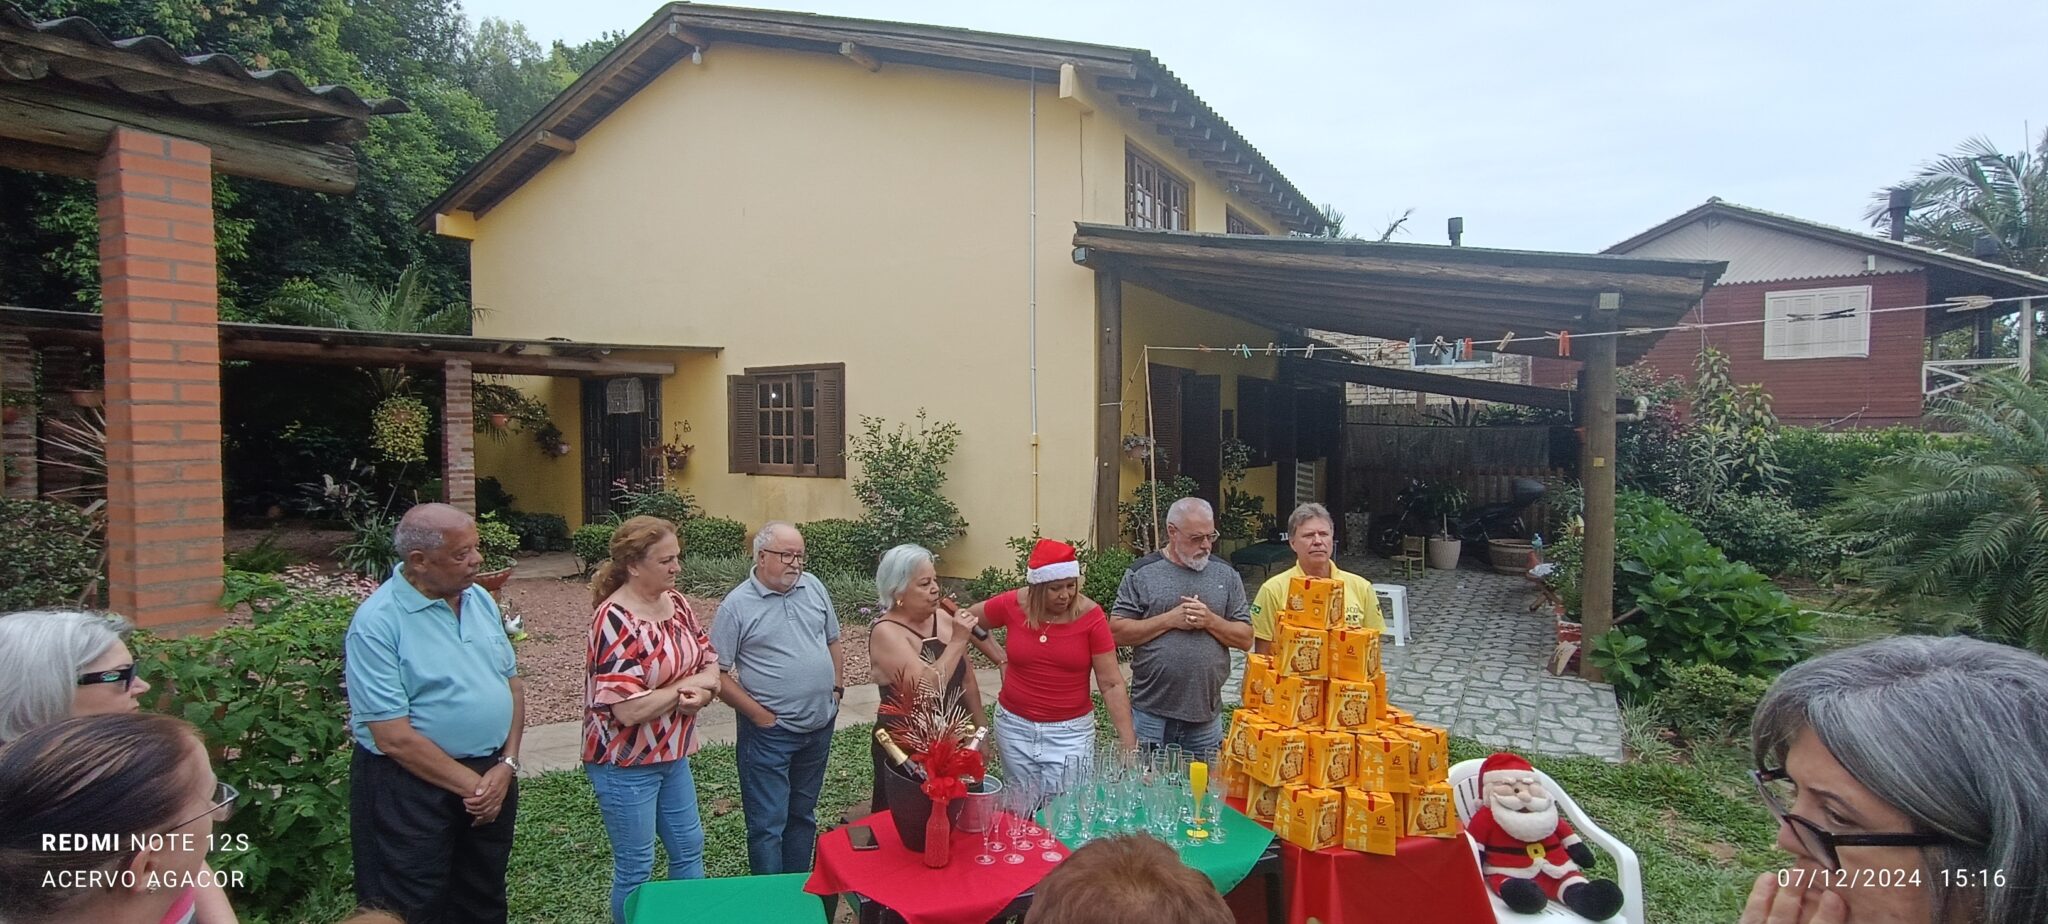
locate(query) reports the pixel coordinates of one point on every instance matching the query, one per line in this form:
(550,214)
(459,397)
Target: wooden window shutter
(1255,419)
(832,422)
(742,430)
(1165,394)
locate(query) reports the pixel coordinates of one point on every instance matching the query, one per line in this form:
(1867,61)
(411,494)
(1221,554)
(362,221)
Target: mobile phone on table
(862,836)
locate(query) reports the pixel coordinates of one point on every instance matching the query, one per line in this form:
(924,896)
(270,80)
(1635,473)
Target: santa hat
(1504,763)
(1052,560)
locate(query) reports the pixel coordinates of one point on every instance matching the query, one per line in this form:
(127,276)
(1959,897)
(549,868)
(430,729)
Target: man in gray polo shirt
(777,638)
(1181,612)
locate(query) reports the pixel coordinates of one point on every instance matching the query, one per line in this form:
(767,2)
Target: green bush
(707,576)
(1693,605)
(497,542)
(491,496)
(262,558)
(1707,701)
(268,698)
(540,532)
(1818,463)
(1148,504)
(47,554)
(715,537)
(592,543)
(1764,531)
(991,581)
(902,473)
(370,550)
(835,547)
(654,499)
(853,596)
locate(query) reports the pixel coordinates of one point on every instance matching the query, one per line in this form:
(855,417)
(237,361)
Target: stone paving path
(1475,664)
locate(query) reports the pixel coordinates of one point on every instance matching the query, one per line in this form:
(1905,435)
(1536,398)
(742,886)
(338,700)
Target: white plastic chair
(1464,780)
(1394,611)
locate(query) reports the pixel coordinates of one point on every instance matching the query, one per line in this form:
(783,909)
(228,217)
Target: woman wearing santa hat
(1909,786)
(1057,639)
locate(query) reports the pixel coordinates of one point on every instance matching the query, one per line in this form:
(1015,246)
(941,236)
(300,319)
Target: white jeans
(1035,753)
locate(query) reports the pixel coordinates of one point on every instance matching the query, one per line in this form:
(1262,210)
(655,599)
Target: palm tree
(351,303)
(1966,521)
(1978,192)
(1333,225)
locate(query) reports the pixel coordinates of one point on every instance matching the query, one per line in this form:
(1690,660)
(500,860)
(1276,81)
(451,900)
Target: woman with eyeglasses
(59,663)
(133,799)
(1909,782)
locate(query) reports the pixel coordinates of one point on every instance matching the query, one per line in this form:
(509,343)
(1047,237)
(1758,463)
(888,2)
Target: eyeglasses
(124,675)
(788,558)
(1196,537)
(224,798)
(1780,792)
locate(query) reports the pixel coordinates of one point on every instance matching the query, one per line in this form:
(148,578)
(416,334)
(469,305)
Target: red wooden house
(1828,351)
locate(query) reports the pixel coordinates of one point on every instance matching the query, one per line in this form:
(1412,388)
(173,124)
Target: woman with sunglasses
(59,663)
(1909,784)
(140,788)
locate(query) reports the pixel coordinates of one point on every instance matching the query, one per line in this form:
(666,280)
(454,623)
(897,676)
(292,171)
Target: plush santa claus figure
(1532,856)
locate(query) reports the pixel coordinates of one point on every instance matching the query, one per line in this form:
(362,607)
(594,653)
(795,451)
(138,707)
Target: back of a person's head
(104,775)
(41,655)
(1128,879)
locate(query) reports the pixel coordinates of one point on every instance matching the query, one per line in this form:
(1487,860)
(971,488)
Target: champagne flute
(1013,827)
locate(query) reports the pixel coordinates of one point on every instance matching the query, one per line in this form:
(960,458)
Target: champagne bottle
(976,740)
(897,758)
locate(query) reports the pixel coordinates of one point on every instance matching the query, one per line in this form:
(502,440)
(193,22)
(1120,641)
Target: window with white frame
(1817,323)
(1451,355)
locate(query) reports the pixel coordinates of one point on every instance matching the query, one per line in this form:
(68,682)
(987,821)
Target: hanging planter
(88,397)
(1138,446)
(500,421)
(399,429)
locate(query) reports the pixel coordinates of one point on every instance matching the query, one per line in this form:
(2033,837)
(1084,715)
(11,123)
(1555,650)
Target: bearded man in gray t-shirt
(1181,610)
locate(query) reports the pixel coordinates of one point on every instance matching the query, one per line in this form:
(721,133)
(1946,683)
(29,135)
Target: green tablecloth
(1226,864)
(754,899)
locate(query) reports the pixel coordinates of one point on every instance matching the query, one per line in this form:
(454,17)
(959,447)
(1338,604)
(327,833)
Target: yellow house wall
(539,482)
(794,208)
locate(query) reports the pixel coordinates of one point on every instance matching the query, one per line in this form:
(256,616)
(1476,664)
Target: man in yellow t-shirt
(1312,533)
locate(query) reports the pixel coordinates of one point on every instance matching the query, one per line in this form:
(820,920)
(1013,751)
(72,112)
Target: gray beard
(1527,826)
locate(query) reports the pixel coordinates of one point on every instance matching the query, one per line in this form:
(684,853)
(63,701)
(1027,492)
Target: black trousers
(416,853)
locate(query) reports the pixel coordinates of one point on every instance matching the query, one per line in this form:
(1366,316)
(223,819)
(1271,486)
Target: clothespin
(1412,347)
(1504,341)
(1308,352)
(1203,347)
(1441,346)
(1564,343)
(1465,349)
(1269,348)
(1245,350)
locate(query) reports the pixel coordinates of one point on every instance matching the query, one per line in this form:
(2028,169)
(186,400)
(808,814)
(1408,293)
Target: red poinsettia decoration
(947,764)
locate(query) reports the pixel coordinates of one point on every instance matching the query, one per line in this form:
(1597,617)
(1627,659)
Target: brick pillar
(458,436)
(160,299)
(18,439)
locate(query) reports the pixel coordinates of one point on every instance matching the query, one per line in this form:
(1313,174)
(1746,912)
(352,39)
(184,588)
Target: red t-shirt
(1048,681)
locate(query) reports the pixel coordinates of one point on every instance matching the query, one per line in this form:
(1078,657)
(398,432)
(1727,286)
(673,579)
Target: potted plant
(551,441)
(1138,446)
(498,542)
(500,421)
(88,397)
(12,403)
(674,454)
(1438,503)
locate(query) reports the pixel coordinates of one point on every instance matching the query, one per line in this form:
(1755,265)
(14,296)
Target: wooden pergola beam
(106,61)
(55,119)
(558,143)
(1331,370)
(853,52)
(487,363)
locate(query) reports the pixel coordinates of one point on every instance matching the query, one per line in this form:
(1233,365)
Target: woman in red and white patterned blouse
(651,668)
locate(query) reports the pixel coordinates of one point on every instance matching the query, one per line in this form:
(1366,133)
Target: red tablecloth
(961,892)
(1427,879)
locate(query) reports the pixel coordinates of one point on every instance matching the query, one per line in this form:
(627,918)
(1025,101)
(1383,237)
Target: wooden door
(621,425)
(1165,397)
(1200,436)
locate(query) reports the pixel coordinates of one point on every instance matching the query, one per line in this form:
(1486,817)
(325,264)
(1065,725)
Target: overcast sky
(1553,125)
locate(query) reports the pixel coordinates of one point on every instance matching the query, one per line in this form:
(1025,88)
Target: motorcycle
(1501,520)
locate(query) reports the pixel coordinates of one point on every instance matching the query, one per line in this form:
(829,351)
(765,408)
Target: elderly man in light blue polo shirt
(437,707)
(777,638)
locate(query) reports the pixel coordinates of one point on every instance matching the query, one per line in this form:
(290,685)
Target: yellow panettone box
(1395,715)
(1330,761)
(1300,652)
(1236,778)
(1347,707)
(1388,753)
(1262,803)
(1369,762)
(1297,703)
(1354,654)
(1433,759)
(1354,612)
(1310,817)
(1379,698)
(1280,756)
(1245,724)
(1432,812)
(1259,675)
(1313,603)
(1372,821)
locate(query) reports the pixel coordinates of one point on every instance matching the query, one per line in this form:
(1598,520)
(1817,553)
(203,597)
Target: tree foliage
(1966,521)
(1979,192)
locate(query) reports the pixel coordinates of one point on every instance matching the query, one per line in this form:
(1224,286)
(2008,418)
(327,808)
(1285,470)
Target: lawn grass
(1695,824)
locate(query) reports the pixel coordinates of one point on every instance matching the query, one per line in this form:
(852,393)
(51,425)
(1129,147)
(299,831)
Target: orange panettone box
(1300,652)
(1313,603)
(1395,715)
(1379,698)
(1297,703)
(1372,821)
(1354,654)
(1432,812)
(1347,707)
(1237,781)
(1259,675)
(1369,762)
(1330,761)
(1394,752)
(1310,817)
(1262,802)
(1245,724)
(1433,760)
(1280,756)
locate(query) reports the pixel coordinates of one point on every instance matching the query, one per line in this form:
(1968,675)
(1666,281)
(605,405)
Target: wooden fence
(1381,459)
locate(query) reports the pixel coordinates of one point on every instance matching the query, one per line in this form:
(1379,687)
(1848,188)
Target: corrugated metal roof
(155,49)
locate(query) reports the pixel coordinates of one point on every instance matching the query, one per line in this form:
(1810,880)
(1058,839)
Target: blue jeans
(639,803)
(780,775)
(1194,738)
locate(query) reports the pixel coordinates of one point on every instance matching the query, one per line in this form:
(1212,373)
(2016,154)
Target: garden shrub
(1102,570)
(711,576)
(262,558)
(497,541)
(835,547)
(371,549)
(268,699)
(1817,463)
(715,537)
(1136,516)
(592,543)
(47,554)
(654,499)
(1694,605)
(491,496)
(991,581)
(902,472)
(853,596)
(540,532)
(1707,701)
(1764,531)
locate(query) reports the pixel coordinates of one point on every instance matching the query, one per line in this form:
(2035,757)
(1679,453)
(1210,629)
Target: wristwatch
(839,692)
(509,761)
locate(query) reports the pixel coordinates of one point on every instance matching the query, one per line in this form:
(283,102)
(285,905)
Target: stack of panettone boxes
(1317,753)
